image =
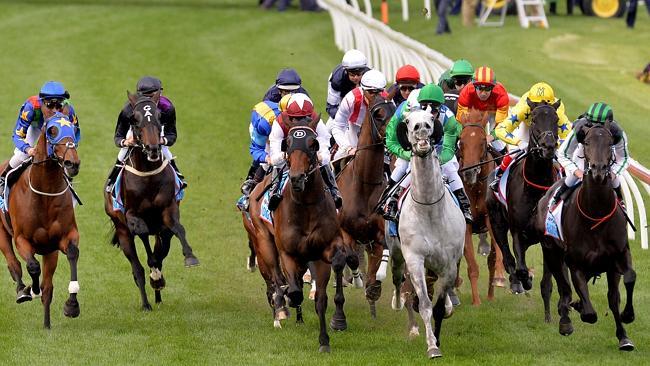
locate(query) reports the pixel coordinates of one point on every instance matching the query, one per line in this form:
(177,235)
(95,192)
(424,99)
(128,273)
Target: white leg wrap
(155,274)
(356,279)
(73,287)
(381,271)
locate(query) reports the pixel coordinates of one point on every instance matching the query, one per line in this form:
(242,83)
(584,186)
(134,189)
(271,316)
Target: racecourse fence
(388,49)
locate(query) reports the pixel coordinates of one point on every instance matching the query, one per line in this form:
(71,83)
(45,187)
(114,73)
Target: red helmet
(485,76)
(300,106)
(407,73)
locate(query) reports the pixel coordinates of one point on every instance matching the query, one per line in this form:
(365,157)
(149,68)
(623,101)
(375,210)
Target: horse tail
(113,233)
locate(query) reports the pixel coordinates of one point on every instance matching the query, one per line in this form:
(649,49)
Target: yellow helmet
(541,92)
(284,102)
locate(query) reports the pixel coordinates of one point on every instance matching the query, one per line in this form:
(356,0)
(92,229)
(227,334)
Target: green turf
(216,59)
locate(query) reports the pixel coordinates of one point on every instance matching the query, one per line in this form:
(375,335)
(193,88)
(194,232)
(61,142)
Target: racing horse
(361,183)
(594,239)
(40,216)
(475,166)
(305,229)
(431,227)
(149,200)
(531,175)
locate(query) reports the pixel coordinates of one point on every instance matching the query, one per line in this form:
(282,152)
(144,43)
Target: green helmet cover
(431,92)
(444,78)
(599,112)
(461,68)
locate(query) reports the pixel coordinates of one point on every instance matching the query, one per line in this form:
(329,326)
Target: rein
(29,181)
(597,221)
(428,203)
(530,183)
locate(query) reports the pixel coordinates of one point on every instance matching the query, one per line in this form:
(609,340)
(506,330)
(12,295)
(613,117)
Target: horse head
(146,126)
(380,110)
(472,143)
(59,133)
(423,132)
(543,132)
(597,141)
(302,148)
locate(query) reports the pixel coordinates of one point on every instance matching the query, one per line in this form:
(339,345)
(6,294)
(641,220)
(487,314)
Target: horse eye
(417,127)
(428,126)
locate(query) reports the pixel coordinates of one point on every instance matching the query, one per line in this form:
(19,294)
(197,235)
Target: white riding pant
(449,171)
(123,151)
(571,179)
(32,136)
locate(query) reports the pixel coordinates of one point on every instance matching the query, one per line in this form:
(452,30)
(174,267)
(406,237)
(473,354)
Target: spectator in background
(305,5)
(468,9)
(443,8)
(631,12)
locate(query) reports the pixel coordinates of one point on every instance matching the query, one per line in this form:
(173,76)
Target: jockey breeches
(449,171)
(32,136)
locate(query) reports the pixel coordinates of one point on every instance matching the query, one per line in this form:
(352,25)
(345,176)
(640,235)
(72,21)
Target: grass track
(216,59)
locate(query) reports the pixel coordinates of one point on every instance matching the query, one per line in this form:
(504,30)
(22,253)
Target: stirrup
(494,185)
(390,210)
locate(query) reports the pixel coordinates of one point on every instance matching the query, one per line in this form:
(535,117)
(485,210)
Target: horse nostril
(68,164)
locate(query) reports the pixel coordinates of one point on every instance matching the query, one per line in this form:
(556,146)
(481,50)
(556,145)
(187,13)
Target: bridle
(377,138)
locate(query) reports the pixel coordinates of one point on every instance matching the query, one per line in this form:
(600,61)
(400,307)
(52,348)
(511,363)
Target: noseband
(299,136)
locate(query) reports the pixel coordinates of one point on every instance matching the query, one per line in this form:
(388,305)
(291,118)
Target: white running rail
(388,49)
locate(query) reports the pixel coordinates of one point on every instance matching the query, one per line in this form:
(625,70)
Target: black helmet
(148,85)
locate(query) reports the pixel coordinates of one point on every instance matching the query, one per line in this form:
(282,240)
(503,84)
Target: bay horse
(431,228)
(473,155)
(305,228)
(41,218)
(531,175)
(361,183)
(150,205)
(595,239)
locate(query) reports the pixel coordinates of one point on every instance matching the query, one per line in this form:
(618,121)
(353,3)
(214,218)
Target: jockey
(300,111)
(461,74)
(345,77)
(571,154)
(432,97)
(406,80)
(52,97)
(124,139)
(348,120)
(538,93)
(262,118)
(485,94)
(288,81)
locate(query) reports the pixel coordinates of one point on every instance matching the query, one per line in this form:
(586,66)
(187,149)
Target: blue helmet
(52,90)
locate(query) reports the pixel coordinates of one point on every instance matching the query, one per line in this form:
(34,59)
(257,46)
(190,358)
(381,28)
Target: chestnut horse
(305,229)
(361,183)
(595,239)
(41,216)
(473,153)
(150,205)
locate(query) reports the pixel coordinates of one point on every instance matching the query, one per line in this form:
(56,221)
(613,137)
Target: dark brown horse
(361,183)
(150,205)
(41,216)
(305,229)
(595,239)
(472,152)
(530,177)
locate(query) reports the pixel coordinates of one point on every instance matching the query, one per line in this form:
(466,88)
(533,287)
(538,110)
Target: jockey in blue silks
(52,97)
(287,82)
(263,116)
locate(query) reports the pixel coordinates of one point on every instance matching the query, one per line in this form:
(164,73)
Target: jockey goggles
(435,107)
(483,87)
(355,72)
(406,87)
(54,103)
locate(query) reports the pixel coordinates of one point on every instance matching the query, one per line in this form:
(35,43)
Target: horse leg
(415,267)
(171,220)
(13,265)
(323,272)
(49,267)
(521,268)
(294,272)
(352,258)
(373,286)
(408,290)
(472,266)
(546,289)
(554,263)
(397,268)
(499,270)
(338,321)
(251,261)
(498,226)
(26,251)
(160,252)
(491,263)
(71,306)
(128,248)
(614,299)
(270,267)
(587,313)
(629,279)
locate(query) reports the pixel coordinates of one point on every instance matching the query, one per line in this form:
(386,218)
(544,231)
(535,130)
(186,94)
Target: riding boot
(558,194)
(619,196)
(464,204)
(497,177)
(391,209)
(112,176)
(330,181)
(3,178)
(276,194)
(383,198)
(178,173)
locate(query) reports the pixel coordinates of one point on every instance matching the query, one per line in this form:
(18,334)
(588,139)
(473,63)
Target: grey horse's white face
(420,130)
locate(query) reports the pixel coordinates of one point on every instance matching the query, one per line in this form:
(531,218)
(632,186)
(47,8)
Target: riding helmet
(541,92)
(407,74)
(485,76)
(354,59)
(148,85)
(599,113)
(53,90)
(373,79)
(461,67)
(431,93)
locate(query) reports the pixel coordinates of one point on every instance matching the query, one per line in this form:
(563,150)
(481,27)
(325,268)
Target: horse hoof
(566,329)
(397,302)
(146,307)
(547,318)
(338,324)
(250,265)
(499,282)
(71,308)
(277,324)
(483,248)
(517,288)
(324,349)
(414,332)
(191,261)
(625,344)
(22,297)
(33,294)
(627,317)
(434,352)
(455,300)
(312,294)
(590,318)
(158,284)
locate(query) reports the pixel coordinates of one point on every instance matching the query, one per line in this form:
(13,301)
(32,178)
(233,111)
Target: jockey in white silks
(300,109)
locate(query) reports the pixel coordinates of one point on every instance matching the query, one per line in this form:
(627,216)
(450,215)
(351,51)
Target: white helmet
(354,59)
(373,79)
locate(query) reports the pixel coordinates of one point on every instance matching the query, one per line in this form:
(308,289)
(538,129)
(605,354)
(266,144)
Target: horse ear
(581,133)
(314,122)
(531,105)
(557,104)
(132,97)
(156,97)
(402,136)
(283,146)
(438,132)
(315,145)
